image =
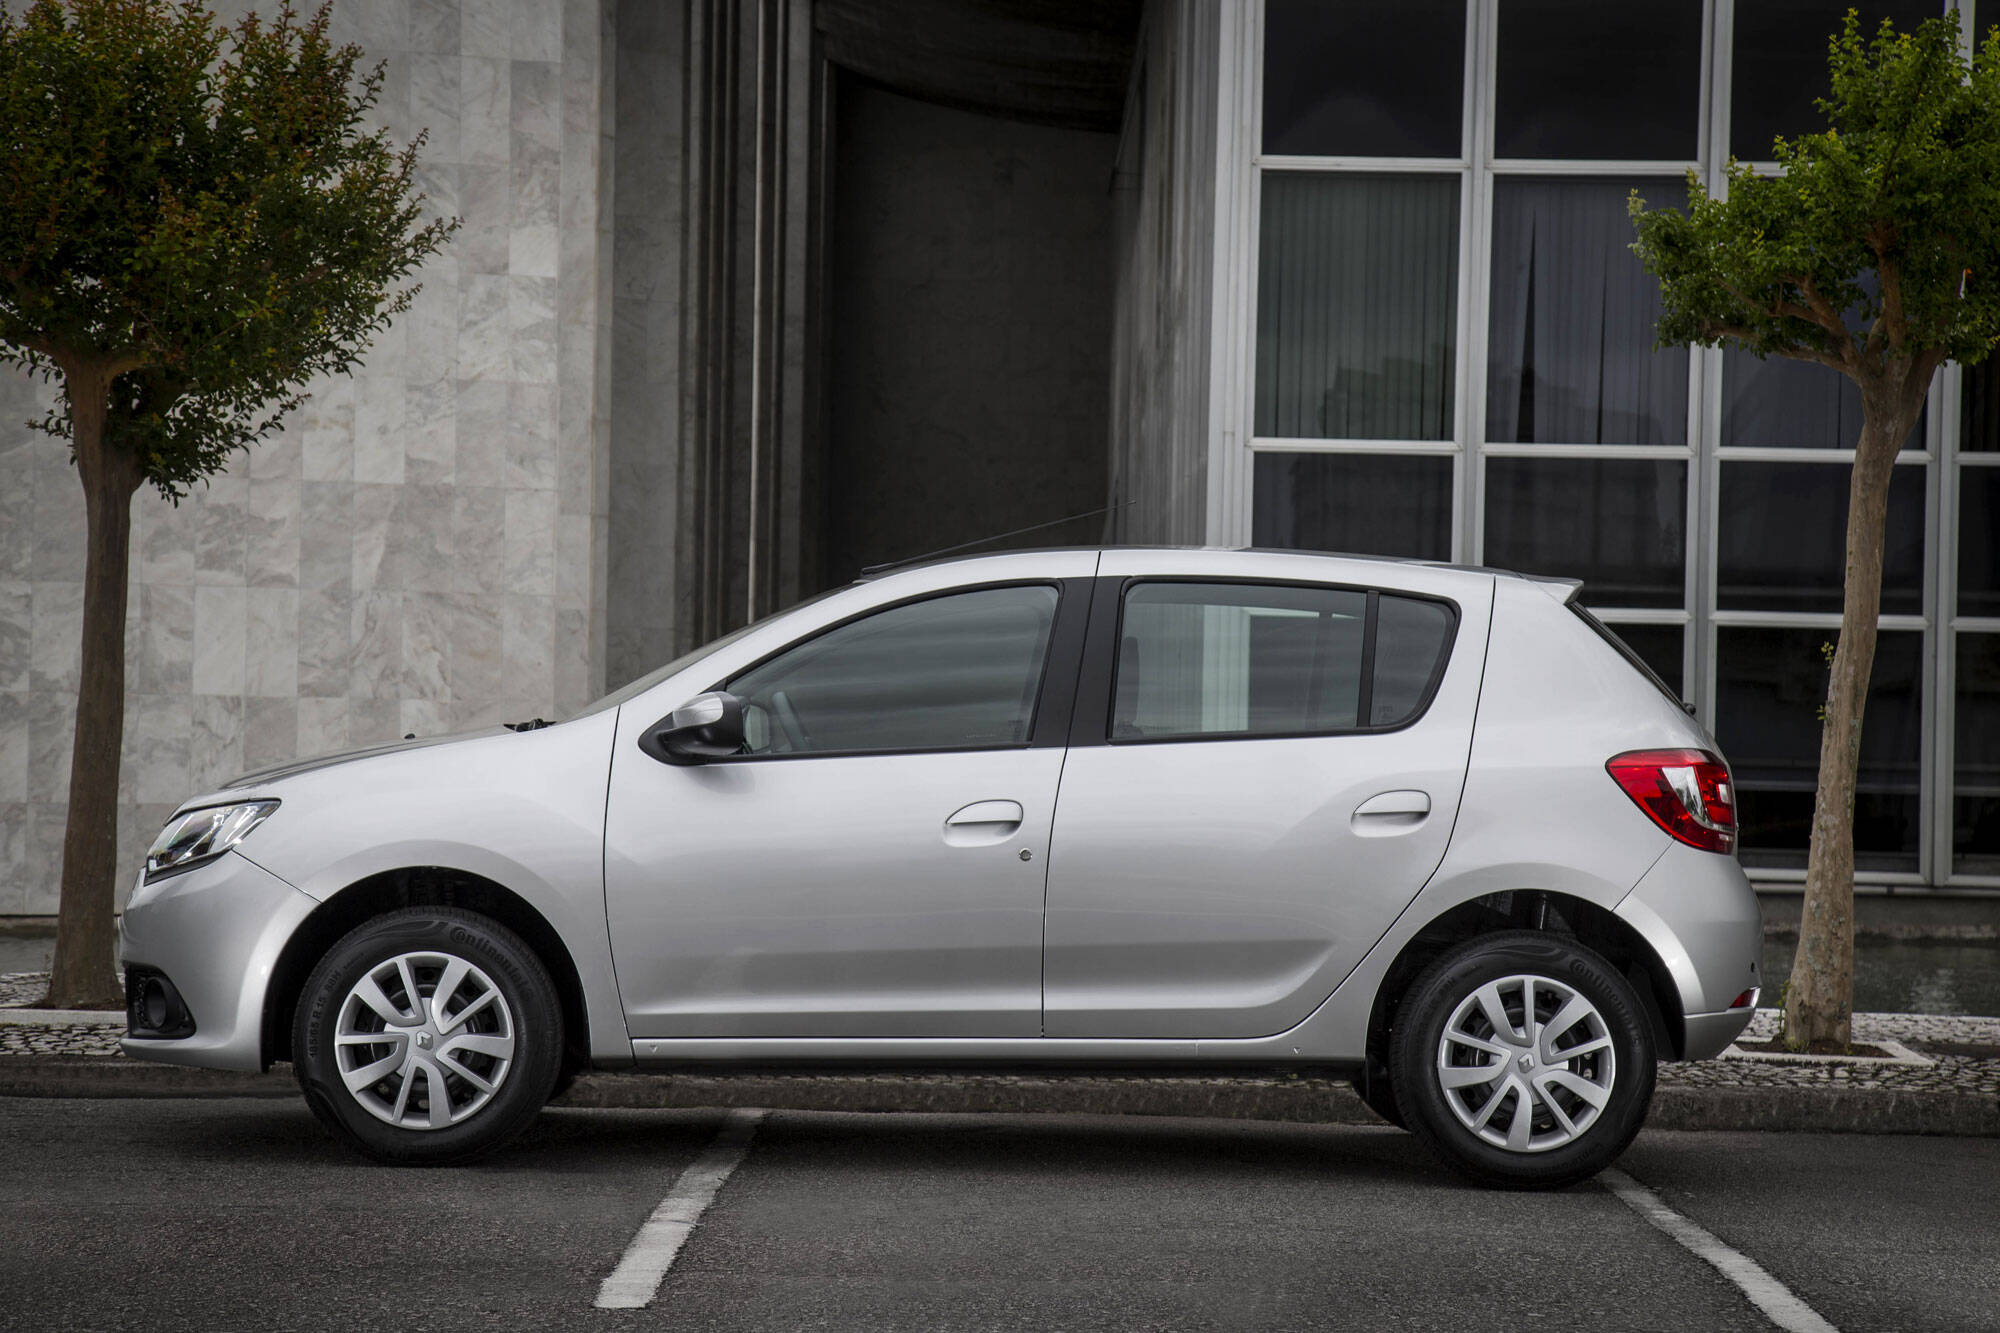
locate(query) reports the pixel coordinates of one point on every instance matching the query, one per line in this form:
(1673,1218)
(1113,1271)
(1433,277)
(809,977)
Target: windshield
(686,660)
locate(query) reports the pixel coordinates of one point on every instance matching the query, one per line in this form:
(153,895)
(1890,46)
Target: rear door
(1263,772)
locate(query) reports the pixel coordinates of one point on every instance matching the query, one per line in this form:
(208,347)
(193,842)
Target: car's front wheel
(428,1036)
(1524,1060)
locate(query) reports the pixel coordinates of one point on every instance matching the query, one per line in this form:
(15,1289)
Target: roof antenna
(997,537)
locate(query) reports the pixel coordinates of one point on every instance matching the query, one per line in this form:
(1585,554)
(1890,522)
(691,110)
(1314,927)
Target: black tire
(528,1010)
(1560,1155)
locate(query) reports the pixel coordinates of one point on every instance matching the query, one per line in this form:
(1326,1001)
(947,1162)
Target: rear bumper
(216,931)
(1708,1035)
(1699,914)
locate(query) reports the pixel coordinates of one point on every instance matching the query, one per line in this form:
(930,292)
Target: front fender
(523,810)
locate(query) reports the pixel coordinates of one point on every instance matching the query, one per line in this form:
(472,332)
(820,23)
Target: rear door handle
(983,822)
(1391,812)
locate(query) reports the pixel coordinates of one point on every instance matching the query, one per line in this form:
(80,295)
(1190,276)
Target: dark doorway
(968,329)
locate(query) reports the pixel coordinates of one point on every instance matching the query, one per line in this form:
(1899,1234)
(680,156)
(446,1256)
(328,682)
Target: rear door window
(1213,660)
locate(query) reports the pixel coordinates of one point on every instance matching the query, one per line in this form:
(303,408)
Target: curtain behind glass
(1570,358)
(1357,293)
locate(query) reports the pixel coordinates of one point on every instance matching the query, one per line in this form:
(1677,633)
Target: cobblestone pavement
(1963,1052)
(18,988)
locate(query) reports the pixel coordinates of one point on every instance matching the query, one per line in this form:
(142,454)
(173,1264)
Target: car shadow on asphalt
(278,1131)
(282,1132)
(1107,1146)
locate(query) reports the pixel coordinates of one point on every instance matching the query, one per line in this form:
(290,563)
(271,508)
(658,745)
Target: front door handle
(983,822)
(1391,812)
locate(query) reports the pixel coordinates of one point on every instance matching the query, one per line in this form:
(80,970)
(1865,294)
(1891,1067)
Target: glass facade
(1452,353)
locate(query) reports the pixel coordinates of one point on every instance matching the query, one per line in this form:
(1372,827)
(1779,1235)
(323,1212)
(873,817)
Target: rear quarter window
(1412,639)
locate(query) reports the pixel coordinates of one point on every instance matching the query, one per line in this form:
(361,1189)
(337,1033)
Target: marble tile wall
(645,362)
(423,548)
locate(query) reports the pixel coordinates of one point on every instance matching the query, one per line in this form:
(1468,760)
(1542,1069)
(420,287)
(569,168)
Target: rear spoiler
(1564,591)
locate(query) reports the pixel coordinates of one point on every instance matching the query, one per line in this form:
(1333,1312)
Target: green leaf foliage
(200,210)
(1877,251)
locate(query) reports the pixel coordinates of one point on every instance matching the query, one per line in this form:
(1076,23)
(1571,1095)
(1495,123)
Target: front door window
(959,672)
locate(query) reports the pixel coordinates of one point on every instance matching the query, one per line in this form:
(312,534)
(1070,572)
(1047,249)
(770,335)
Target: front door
(873,865)
(1275,780)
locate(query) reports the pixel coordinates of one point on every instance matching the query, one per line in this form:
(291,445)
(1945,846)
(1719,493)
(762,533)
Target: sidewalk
(1945,1080)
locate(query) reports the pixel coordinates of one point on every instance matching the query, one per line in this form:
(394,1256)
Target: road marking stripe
(637,1278)
(1768,1294)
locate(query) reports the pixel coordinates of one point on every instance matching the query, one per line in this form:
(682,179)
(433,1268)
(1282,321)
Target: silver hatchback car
(1430,829)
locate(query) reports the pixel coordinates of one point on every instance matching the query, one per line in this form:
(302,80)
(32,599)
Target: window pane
(1978,549)
(1975,807)
(1770,687)
(1357,295)
(1782,544)
(1379,77)
(1778,68)
(1599,80)
(949,673)
(1776,403)
(1410,640)
(1622,531)
(1979,409)
(1571,359)
(1239,660)
(1659,647)
(1366,504)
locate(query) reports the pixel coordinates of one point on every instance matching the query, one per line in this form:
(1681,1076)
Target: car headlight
(195,836)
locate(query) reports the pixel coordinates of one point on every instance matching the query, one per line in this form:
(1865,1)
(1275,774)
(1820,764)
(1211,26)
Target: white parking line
(1768,1294)
(634,1282)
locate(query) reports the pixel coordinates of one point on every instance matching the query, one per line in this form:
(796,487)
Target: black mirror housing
(708,726)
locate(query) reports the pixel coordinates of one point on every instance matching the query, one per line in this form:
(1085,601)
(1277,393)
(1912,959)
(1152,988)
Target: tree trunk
(83,974)
(1819,1002)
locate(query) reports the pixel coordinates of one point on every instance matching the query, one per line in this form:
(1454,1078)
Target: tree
(194,221)
(1875,253)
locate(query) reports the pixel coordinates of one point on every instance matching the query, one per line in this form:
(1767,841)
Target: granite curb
(1815,1108)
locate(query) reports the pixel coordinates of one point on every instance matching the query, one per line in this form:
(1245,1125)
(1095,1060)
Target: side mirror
(708,726)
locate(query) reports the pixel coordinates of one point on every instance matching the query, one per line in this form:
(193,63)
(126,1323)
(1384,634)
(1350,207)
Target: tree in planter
(1877,254)
(194,221)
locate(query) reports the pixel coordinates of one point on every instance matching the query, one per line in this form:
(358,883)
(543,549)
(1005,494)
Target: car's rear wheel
(429,1035)
(1524,1060)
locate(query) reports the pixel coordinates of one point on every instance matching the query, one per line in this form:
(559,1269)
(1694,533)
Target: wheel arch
(1595,927)
(421,886)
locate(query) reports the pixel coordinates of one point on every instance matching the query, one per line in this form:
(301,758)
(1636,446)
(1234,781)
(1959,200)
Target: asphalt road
(165,1215)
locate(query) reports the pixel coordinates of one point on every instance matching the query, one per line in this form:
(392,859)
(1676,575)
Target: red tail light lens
(1685,792)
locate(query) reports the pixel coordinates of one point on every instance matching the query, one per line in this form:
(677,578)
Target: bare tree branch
(1892,320)
(1828,318)
(1747,336)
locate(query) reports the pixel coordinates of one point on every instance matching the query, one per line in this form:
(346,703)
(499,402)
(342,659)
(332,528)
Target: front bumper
(1700,915)
(217,931)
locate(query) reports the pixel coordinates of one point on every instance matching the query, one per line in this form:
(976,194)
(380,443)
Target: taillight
(1686,792)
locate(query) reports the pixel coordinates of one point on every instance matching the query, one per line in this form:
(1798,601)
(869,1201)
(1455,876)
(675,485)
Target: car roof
(1563,588)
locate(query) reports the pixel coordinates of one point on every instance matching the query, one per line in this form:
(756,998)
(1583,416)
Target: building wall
(970,332)
(1163,271)
(422,548)
(644,361)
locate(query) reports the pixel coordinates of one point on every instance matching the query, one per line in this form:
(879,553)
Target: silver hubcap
(1526,1063)
(424,1040)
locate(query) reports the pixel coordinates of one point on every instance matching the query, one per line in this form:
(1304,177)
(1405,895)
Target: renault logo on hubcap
(424,1040)
(1527,1060)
